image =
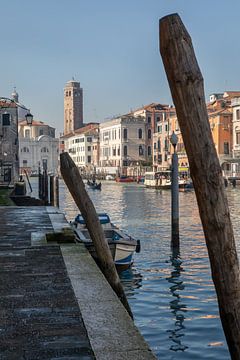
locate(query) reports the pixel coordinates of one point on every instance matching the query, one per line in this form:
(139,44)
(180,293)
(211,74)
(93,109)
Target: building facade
(9,155)
(122,144)
(38,148)
(73,106)
(83,147)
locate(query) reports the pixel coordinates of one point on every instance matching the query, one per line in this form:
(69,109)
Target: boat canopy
(103,218)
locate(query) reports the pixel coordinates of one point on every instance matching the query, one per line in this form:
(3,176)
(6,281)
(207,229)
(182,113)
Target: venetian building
(38,147)
(83,147)
(9,157)
(122,145)
(73,106)
(220,114)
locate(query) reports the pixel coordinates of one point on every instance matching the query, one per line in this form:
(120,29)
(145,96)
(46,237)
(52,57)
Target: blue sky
(112,48)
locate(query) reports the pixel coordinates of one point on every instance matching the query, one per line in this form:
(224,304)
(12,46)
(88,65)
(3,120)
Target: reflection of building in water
(177,308)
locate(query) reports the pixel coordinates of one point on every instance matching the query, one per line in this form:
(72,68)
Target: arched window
(66,93)
(149,133)
(25,149)
(27,133)
(44,149)
(125,150)
(140,150)
(140,133)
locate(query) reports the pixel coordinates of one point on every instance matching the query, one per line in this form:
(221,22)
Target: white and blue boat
(122,246)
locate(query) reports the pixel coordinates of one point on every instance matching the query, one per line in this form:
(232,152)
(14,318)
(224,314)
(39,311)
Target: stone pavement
(54,301)
(39,313)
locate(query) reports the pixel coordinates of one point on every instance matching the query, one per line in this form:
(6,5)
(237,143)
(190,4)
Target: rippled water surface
(173,299)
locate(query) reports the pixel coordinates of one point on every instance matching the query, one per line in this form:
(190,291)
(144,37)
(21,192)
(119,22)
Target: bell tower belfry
(73,106)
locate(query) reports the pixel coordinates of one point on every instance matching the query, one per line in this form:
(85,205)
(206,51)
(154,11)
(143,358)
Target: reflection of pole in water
(131,281)
(176,306)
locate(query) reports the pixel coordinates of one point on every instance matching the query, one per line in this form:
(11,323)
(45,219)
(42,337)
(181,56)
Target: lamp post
(29,118)
(175,194)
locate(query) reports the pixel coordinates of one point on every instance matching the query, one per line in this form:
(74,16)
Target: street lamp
(175,194)
(29,118)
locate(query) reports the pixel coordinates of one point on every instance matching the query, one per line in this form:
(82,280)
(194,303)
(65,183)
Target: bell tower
(73,106)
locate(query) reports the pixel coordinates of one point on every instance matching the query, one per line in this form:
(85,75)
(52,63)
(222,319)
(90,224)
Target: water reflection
(132,281)
(174,306)
(177,307)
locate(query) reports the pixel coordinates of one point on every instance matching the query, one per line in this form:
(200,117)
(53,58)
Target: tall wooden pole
(186,84)
(73,180)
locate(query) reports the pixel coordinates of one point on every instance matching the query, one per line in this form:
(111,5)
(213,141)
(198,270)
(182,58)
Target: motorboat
(122,246)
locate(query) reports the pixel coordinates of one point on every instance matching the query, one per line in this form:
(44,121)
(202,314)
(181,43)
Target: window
(40,132)
(149,119)
(159,129)
(114,151)
(89,159)
(149,133)
(89,139)
(125,134)
(25,163)
(44,149)
(6,119)
(27,133)
(140,150)
(125,149)
(89,148)
(149,151)
(158,118)
(69,93)
(25,149)
(226,148)
(238,137)
(118,151)
(159,145)
(140,133)
(238,114)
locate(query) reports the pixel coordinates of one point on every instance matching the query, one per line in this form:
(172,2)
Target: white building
(122,144)
(38,147)
(235,103)
(81,146)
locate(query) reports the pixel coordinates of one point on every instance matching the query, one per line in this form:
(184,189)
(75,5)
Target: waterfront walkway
(55,303)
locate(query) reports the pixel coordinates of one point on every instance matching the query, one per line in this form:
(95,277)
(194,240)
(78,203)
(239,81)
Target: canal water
(172,298)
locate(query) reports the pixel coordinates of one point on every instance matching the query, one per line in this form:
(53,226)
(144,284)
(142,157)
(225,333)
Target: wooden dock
(55,303)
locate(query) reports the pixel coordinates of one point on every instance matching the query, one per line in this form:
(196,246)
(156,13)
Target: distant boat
(162,180)
(93,185)
(110,177)
(122,246)
(124,178)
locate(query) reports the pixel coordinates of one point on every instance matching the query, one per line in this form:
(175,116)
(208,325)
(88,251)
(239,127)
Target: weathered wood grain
(186,84)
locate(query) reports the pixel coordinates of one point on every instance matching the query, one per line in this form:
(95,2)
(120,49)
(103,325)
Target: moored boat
(125,179)
(122,246)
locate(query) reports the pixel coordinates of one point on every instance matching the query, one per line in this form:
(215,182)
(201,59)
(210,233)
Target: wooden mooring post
(186,84)
(73,180)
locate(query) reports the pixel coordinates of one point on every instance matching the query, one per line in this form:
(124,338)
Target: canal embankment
(55,302)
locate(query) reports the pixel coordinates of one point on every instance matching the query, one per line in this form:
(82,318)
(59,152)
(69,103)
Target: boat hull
(122,246)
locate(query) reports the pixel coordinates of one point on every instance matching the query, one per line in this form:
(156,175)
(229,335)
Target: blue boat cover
(103,218)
